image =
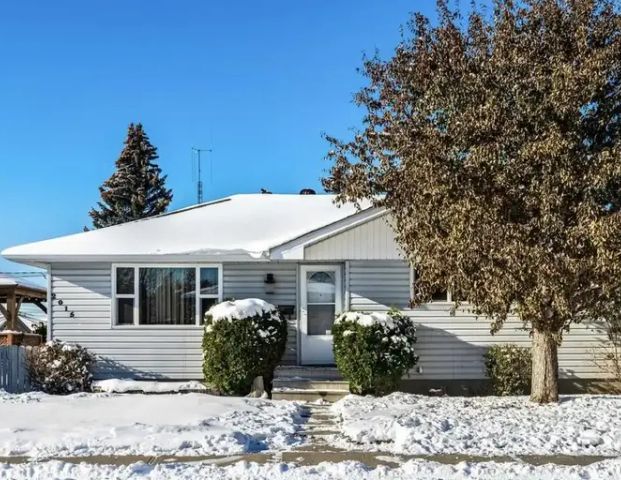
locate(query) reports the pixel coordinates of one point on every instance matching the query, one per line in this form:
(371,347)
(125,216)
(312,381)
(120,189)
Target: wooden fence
(13,372)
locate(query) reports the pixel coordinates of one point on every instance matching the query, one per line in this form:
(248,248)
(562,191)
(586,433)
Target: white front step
(310,384)
(299,372)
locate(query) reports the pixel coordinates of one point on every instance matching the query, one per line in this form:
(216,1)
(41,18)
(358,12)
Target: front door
(320,299)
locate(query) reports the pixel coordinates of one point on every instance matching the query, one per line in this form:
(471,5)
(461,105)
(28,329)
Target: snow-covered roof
(240,227)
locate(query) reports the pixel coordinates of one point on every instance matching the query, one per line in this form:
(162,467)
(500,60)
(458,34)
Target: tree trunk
(544,384)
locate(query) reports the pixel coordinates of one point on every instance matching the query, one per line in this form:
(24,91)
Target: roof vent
(265,191)
(307,191)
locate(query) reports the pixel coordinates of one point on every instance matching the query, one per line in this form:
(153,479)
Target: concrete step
(310,384)
(319,373)
(308,395)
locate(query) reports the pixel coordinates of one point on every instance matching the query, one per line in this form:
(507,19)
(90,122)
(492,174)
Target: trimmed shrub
(59,368)
(509,369)
(243,339)
(374,350)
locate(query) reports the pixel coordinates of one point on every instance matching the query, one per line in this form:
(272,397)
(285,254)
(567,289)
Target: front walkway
(320,426)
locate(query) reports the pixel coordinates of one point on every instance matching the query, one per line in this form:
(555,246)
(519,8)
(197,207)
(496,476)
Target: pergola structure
(13,293)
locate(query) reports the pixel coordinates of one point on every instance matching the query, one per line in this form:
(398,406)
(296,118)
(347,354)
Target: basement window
(164,295)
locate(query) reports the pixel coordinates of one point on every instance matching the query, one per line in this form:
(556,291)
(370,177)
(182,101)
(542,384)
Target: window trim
(136,294)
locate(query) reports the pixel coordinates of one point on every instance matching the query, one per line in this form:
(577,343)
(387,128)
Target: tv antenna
(199,183)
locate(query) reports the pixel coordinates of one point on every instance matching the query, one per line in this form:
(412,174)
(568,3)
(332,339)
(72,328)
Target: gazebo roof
(21,288)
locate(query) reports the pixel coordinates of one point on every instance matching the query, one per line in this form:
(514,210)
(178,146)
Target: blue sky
(257,82)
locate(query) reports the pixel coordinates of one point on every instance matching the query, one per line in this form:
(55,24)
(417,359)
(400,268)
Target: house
(135,294)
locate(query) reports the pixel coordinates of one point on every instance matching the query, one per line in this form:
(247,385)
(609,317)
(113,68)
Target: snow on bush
(239,309)
(243,339)
(509,369)
(60,368)
(374,350)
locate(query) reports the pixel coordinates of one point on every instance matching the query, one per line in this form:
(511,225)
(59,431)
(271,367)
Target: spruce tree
(137,188)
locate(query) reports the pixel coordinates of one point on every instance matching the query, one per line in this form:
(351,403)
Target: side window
(441,295)
(125,295)
(209,289)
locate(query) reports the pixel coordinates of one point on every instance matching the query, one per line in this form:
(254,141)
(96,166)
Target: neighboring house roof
(239,227)
(10,281)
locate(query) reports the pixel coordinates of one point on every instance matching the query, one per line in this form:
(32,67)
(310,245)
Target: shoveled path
(320,426)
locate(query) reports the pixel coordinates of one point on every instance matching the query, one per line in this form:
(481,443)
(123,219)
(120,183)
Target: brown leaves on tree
(496,148)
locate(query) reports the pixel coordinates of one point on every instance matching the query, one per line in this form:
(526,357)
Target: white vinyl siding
(378,285)
(173,352)
(372,240)
(451,345)
(148,351)
(247,280)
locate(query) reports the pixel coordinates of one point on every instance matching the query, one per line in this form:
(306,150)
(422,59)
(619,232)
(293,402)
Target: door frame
(302,317)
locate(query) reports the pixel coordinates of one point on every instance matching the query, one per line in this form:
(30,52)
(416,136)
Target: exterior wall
(451,346)
(167,352)
(370,240)
(247,280)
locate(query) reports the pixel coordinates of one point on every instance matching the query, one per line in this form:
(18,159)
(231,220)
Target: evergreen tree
(137,188)
(495,143)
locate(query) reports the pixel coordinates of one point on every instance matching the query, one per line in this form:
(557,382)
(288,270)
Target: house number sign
(61,303)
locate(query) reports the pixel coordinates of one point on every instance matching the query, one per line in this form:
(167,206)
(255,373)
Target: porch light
(270,283)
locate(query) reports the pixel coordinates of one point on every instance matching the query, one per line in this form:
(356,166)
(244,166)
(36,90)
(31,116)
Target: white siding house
(301,253)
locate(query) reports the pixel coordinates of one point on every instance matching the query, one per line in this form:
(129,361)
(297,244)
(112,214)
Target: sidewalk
(310,455)
(320,425)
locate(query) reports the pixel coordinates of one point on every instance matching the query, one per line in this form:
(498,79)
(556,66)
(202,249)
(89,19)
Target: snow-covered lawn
(413,470)
(405,423)
(40,425)
(118,385)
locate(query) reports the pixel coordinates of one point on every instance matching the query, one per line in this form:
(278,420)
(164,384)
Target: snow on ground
(405,423)
(118,385)
(40,425)
(413,470)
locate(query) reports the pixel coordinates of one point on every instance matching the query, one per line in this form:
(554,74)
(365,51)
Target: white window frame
(136,294)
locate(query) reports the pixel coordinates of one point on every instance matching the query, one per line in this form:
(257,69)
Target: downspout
(346,303)
(50,302)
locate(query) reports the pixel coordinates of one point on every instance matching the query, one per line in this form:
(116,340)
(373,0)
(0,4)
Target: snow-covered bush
(509,369)
(59,368)
(243,339)
(374,350)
